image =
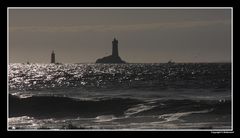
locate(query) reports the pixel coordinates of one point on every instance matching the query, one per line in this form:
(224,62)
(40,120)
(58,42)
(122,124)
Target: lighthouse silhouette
(114,58)
(115,47)
(53,57)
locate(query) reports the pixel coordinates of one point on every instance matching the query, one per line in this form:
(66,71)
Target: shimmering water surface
(120,96)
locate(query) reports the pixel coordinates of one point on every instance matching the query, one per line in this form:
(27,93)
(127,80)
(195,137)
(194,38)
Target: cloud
(118,28)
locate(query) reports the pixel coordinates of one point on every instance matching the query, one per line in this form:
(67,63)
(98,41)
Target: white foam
(176,116)
(137,109)
(105,118)
(22,95)
(25,121)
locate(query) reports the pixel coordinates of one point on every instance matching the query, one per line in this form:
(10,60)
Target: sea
(159,96)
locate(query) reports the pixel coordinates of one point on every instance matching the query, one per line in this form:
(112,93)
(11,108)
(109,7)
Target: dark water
(120,96)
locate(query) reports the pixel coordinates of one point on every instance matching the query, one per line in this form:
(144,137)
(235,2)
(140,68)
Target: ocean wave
(64,107)
(60,107)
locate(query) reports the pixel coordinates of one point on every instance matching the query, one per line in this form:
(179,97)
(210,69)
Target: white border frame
(124,8)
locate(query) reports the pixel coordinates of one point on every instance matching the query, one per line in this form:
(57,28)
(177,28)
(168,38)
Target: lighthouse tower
(53,57)
(115,47)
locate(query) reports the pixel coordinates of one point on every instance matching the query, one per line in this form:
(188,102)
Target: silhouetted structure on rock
(53,57)
(115,47)
(114,58)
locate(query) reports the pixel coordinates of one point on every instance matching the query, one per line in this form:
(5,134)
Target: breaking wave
(62,107)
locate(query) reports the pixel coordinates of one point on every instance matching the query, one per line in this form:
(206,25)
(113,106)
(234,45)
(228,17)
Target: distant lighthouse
(115,47)
(53,57)
(114,58)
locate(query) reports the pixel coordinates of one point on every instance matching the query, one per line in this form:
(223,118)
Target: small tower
(115,47)
(53,57)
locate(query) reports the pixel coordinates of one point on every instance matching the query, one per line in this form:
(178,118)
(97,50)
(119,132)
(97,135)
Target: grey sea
(120,96)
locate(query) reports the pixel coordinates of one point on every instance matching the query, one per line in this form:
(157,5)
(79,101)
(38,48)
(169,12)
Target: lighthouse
(53,57)
(114,58)
(115,47)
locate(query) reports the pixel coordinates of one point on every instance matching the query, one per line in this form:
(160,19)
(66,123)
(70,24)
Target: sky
(144,35)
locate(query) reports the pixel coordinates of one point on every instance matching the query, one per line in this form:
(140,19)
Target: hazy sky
(145,36)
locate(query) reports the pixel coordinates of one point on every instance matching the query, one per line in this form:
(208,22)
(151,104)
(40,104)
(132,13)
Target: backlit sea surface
(120,96)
